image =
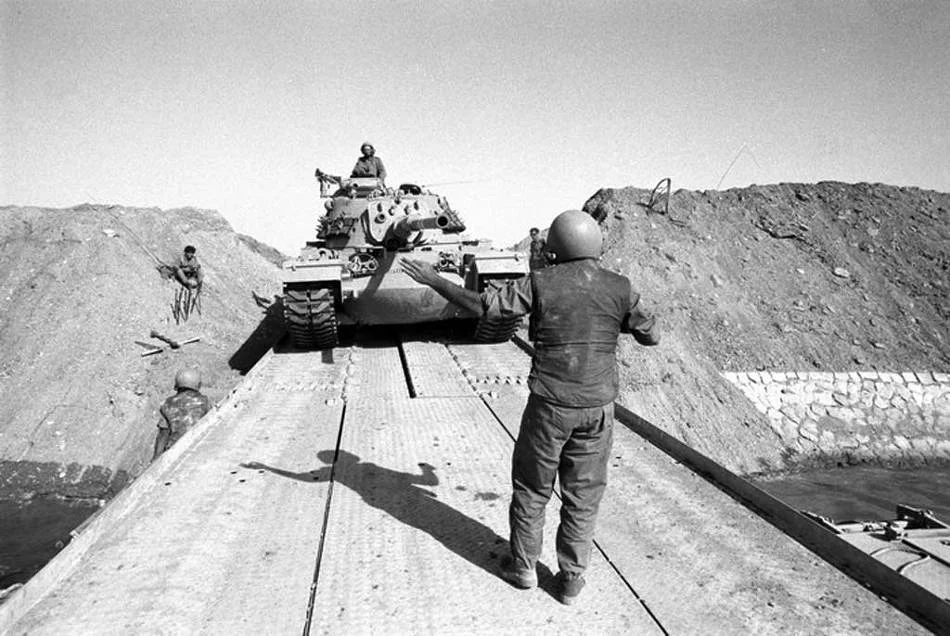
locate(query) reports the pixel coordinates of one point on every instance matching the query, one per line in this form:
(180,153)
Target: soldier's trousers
(574,445)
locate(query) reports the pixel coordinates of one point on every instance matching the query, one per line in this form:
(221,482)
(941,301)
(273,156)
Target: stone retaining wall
(856,417)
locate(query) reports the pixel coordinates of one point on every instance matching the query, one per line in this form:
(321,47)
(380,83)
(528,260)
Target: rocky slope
(787,277)
(78,288)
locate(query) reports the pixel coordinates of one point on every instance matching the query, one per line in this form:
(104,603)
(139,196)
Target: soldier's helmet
(573,235)
(188,379)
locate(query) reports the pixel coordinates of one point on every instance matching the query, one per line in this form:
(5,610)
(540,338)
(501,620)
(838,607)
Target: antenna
(736,158)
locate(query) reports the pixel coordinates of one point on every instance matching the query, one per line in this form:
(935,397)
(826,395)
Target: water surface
(32,532)
(863,492)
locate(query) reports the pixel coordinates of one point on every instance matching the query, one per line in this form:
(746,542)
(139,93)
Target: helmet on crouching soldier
(574,235)
(188,379)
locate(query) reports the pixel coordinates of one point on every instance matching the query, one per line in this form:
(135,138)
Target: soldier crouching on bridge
(181,411)
(578,309)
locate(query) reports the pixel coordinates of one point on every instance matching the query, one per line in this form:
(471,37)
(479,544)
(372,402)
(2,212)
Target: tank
(351,274)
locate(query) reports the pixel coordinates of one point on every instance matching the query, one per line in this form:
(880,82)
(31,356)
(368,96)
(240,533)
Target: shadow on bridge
(267,333)
(403,496)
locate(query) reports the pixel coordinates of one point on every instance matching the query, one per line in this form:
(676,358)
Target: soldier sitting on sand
(181,411)
(188,269)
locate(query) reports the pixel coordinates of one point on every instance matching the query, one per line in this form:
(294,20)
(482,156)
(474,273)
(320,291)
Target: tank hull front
(395,299)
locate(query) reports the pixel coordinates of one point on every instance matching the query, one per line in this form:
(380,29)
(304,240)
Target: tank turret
(350,273)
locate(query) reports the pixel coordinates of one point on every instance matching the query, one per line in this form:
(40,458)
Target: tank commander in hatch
(577,311)
(188,269)
(180,412)
(369,165)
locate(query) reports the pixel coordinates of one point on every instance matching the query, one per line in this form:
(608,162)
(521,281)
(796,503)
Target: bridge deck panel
(701,561)
(212,546)
(411,549)
(486,365)
(700,558)
(221,534)
(433,371)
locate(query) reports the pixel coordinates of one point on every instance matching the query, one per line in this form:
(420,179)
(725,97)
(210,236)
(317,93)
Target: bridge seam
(323,529)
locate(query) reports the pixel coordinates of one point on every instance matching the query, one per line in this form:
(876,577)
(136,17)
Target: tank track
(310,316)
(496,330)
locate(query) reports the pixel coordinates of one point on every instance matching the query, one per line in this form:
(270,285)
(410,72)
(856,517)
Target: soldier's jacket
(182,411)
(190,268)
(578,309)
(369,167)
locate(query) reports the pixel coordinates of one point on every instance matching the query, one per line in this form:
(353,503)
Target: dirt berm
(828,277)
(78,288)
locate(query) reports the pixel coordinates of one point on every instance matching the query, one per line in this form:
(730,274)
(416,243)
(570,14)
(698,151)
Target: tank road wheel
(497,330)
(310,316)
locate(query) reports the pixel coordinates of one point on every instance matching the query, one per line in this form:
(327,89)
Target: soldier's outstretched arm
(425,274)
(640,325)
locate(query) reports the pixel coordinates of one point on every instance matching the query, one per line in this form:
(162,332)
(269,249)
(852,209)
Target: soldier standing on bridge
(578,309)
(181,411)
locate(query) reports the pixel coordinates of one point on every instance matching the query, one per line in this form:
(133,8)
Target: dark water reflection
(32,532)
(864,493)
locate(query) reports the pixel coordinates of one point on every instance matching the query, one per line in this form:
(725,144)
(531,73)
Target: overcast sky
(521,109)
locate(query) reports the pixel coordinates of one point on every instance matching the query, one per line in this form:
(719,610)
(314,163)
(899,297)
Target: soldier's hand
(420,271)
(192,283)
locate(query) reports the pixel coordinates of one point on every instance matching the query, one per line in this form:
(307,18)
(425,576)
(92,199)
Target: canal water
(31,533)
(864,493)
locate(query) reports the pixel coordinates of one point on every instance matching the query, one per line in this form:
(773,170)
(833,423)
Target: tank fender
(324,270)
(495,263)
(481,267)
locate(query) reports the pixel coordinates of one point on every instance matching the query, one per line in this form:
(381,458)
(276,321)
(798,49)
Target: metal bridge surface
(366,491)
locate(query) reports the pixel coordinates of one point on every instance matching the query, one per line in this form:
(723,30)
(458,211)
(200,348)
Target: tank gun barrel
(415,222)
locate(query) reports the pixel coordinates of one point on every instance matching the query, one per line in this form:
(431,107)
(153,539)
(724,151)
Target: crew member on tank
(180,412)
(369,165)
(578,309)
(188,269)
(538,250)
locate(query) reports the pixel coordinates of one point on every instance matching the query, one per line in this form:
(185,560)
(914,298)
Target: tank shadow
(267,333)
(404,497)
